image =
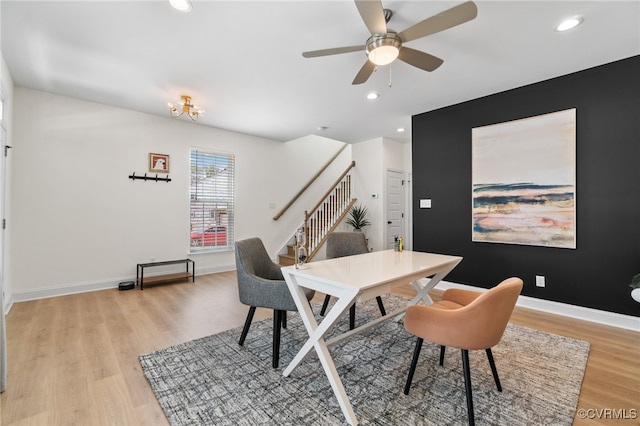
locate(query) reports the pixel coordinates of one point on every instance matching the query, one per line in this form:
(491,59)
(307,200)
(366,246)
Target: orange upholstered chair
(467,320)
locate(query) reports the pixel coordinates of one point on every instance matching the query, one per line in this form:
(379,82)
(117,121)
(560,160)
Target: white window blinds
(211,205)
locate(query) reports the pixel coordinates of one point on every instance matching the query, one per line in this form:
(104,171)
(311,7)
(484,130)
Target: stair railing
(327,214)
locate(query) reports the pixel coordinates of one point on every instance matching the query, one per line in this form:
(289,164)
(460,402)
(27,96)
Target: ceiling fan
(385,45)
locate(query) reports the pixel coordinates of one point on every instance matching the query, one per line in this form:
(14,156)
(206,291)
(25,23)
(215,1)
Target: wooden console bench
(140,279)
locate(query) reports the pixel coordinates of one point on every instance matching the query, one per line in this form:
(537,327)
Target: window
(211,200)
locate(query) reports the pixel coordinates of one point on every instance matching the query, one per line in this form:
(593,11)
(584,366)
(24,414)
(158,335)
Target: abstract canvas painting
(523,178)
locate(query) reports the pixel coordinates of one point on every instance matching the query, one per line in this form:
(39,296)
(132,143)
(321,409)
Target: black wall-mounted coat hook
(155,178)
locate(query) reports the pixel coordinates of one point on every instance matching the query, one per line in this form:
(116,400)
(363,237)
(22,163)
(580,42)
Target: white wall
(368,180)
(79,222)
(373,158)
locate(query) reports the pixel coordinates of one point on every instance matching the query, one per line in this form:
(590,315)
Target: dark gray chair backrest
(252,258)
(340,244)
(260,279)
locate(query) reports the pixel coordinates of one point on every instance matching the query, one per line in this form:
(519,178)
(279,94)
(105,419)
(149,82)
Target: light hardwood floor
(73,360)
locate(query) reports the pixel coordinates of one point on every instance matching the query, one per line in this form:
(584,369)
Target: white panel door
(395,207)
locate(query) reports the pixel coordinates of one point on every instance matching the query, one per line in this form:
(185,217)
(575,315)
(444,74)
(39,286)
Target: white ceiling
(241,60)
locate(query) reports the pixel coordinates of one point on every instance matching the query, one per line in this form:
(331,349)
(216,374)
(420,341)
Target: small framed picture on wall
(158,163)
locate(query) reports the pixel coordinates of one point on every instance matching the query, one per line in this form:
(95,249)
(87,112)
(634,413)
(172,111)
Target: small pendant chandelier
(184,106)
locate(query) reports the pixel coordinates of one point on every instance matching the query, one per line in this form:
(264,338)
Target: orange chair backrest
(478,325)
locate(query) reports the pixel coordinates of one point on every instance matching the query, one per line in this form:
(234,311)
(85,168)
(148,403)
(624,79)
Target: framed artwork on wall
(158,163)
(524,181)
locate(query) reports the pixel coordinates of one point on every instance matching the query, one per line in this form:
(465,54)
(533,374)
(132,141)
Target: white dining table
(356,278)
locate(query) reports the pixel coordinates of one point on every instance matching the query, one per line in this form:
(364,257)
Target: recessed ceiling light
(181,5)
(400,129)
(373,95)
(569,23)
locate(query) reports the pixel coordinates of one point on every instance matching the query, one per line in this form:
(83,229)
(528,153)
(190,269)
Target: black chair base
(279,322)
(247,324)
(352,310)
(465,369)
(492,364)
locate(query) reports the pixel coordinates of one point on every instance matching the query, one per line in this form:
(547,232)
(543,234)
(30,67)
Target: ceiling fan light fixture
(382,49)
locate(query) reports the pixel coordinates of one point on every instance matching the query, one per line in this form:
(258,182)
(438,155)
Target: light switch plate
(425,203)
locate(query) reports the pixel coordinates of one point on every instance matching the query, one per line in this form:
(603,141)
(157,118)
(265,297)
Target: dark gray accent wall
(597,273)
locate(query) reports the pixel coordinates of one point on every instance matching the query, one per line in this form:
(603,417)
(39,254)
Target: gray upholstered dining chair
(340,244)
(261,284)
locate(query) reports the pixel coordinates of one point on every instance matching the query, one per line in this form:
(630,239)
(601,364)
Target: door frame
(405,202)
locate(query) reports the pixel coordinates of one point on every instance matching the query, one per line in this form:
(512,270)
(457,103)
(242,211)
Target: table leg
(316,340)
(425,285)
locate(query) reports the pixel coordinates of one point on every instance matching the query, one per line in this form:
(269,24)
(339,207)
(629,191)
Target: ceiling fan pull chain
(389,75)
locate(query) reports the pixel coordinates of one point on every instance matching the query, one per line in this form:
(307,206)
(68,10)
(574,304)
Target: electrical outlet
(540,281)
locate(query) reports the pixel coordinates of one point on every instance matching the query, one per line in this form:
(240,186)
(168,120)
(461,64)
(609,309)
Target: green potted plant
(635,285)
(358,217)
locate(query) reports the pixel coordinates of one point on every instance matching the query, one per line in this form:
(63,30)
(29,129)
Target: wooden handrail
(326,194)
(317,175)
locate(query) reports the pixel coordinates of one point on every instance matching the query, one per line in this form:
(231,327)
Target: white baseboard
(64,290)
(586,314)
(8,303)
(215,269)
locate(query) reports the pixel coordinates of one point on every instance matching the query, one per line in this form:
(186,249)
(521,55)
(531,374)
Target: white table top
(373,269)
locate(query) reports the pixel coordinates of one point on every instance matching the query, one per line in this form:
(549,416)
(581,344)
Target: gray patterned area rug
(214,381)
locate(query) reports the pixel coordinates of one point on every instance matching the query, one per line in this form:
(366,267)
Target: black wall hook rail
(155,178)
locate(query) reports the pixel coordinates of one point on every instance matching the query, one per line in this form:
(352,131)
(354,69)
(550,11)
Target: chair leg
(442,349)
(414,362)
(467,385)
(325,304)
(352,311)
(493,369)
(284,319)
(352,317)
(381,306)
(247,324)
(277,323)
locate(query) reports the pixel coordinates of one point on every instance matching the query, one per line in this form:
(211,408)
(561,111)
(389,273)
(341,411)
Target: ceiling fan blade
(419,59)
(449,18)
(334,51)
(364,73)
(372,14)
